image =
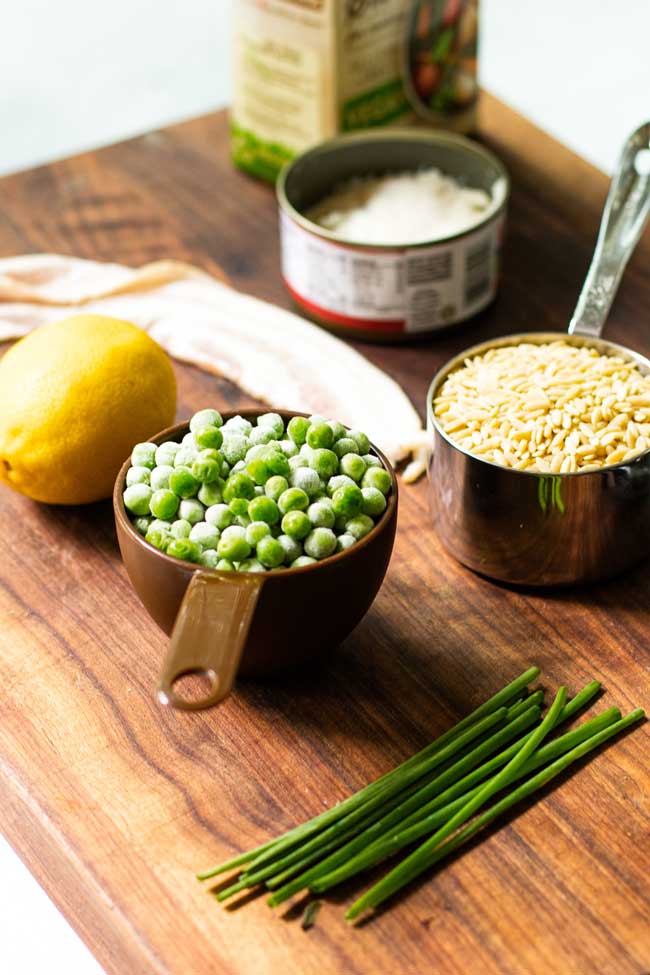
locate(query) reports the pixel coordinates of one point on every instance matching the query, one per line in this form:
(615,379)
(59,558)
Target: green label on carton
(376,107)
(262,159)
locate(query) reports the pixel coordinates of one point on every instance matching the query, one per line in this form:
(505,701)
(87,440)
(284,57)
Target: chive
(309,915)
(506,695)
(421,823)
(425,856)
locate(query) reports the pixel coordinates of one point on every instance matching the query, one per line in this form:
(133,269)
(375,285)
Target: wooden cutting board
(114,802)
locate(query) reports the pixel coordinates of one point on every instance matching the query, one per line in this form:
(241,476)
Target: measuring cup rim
(538,338)
(179,429)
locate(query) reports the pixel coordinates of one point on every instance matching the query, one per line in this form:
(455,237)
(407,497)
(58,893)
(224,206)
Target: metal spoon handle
(624,217)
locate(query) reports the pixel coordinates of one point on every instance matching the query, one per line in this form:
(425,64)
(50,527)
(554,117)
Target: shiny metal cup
(533,529)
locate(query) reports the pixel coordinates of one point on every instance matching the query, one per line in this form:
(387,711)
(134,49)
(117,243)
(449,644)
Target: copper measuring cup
(251,624)
(537,529)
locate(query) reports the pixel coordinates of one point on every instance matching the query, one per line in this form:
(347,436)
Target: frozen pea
(320,543)
(163,504)
(185,457)
(361,440)
(206,418)
(207,466)
(338,481)
(181,528)
(347,500)
(239,507)
(250,565)
(234,447)
(162,523)
(255,531)
(320,435)
(296,524)
(353,465)
(297,462)
(239,486)
(374,502)
(205,535)
(219,515)
(324,462)
(345,446)
(238,468)
(337,429)
(144,455)
(141,524)
(256,452)
(211,493)
(359,526)
(270,551)
(297,428)
(189,441)
(306,451)
(184,548)
(317,418)
(264,509)
(191,510)
(372,460)
(276,461)
(321,515)
(259,490)
(225,565)
(377,477)
(272,421)
(275,486)
(166,453)
(183,483)
(260,435)
(291,546)
(233,545)
(302,561)
(138,475)
(344,542)
(137,498)
(243,520)
(293,499)
(258,471)
(307,480)
(158,537)
(160,476)
(238,424)
(288,448)
(208,437)
(209,558)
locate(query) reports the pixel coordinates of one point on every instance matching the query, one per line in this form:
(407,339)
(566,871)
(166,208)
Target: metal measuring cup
(536,529)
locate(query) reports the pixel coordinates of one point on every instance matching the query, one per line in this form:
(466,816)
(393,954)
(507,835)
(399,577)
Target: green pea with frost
(337,429)
(276,461)
(184,548)
(160,475)
(164,504)
(185,457)
(347,500)
(307,480)
(239,486)
(296,524)
(320,435)
(191,510)
(321,515)
(243,520)
(324,462)
(272,421)
(251,565)
(238,468)
(338,481)
(238,424)
(206,418)
(265,509)
(239,507)
(205,535)
(138,475)
(137,498)
(320,543)
(317,418)
(345,446)
(359,526)
(372,460)
(288,448)
(181,528)
(162,523)
(144,455)
(206,466)
(183,483)
(219,515)
(297,462)
(344,542)
(377,477)
(234,447)
(209,558)
(208,437)
(374,502)
(302,561)
(141,524)
(361,440)
(158,537)
(292,548)
(297,428)
(260,435)
(225,565)
(233,545)
(293,499)
(258,471)
(256,531)
(166,453)
(275,486)
(352,465)
(189,441)
(270,552)
(211,493)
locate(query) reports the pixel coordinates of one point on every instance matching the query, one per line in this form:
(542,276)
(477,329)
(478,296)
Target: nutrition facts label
(421,288)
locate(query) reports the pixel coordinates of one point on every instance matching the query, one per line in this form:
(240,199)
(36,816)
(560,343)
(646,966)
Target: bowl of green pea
(257,541)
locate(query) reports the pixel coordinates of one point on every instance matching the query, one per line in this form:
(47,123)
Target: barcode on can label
(477,271)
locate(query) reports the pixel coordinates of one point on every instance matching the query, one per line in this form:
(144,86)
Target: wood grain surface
(114,802)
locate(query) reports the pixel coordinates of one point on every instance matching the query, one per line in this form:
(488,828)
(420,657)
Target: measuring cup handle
(624,217)
(209,635)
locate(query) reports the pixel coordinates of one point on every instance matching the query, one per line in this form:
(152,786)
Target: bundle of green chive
(436,796)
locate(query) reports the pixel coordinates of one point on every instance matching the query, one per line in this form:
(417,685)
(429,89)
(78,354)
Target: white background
(76,74)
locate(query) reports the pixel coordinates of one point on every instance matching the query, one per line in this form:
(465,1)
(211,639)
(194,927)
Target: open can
(390,292)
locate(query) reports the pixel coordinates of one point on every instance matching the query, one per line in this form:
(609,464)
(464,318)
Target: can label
(401,289)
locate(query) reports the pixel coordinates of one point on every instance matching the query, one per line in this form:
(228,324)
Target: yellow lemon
(75,396)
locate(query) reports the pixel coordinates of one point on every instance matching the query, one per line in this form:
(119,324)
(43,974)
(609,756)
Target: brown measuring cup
(228,624)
